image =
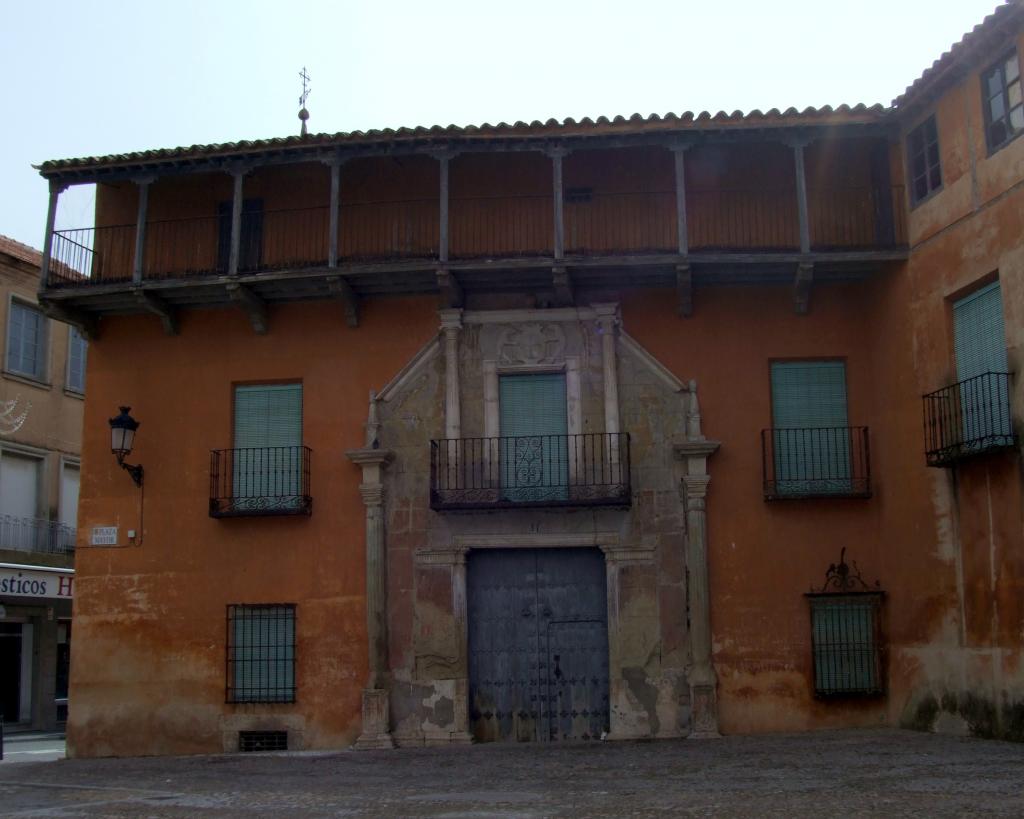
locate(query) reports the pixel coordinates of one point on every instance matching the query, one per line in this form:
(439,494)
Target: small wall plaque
(104,536)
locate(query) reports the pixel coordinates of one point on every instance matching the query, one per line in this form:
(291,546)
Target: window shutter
(533,404)
(978,333)
(76,360)
(809,394)
(810,440)
(535,463)
(845,652)
(268,415)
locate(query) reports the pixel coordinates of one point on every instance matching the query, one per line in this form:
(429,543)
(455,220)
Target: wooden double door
(538,644)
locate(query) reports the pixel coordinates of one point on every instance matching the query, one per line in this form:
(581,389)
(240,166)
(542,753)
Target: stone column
(451,324)
(376,731)
(702,678)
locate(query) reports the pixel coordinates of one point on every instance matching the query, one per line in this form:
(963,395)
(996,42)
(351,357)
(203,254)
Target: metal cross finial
(305,87)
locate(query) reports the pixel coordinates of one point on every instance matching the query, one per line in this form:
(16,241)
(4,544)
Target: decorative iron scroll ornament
(841,578)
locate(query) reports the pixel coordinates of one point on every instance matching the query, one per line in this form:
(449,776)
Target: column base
(704,706)
(376,735)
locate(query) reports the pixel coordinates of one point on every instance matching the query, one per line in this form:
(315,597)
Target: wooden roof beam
(154,304)
(451,290)
(802,288)
(253,305)
(344,293)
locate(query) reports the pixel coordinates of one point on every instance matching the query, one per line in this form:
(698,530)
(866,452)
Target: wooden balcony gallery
(777,197)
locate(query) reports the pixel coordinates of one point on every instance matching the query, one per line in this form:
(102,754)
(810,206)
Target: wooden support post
(332,241)
(802,287)
(343,291)
(684,289)
(563,287)
(450,289)
(253,305)
(682,237)
(140,228)
(156,305)
(444,160)
(801,196)
(236,221)
(557,155)
(56,188)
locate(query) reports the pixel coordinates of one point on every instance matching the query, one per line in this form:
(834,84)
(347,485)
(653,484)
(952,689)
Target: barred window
(261,653)
(846,641)
(923,156)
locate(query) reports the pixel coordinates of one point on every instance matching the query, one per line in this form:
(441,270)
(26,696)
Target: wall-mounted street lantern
(122,436)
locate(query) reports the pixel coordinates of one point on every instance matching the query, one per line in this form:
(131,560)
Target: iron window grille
(1001,101)
(816,462)
(591,469)
(260,653)
(923,156)
(260,481)
(257,741)
(846,634)
(967,419)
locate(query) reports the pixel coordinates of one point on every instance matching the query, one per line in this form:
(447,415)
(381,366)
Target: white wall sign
(104,536)
(36,581)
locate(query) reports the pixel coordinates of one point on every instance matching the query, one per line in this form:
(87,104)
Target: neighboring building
(42,384)
(535,529)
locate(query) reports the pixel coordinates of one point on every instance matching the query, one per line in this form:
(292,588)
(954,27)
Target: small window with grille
(846,642)
(261,653)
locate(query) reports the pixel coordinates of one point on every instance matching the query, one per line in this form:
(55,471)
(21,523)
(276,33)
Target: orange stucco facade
(944,544)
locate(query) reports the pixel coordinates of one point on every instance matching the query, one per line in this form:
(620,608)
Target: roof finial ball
(303,113)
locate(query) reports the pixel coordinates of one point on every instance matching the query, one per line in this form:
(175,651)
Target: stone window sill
(21,378)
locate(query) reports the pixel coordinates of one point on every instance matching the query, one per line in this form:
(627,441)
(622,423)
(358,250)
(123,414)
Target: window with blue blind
(261,653)
(77,352)
(811,433)
(268,442)
(979,340)
(26,340)
(534,443)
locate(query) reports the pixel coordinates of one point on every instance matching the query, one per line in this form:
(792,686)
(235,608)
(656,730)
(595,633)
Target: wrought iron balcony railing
(36,535)
(590,469)
(260,481)
(967,419)
(816,462)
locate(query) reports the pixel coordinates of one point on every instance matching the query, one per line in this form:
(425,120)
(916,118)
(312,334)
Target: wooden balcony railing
(750,220)
(591,469)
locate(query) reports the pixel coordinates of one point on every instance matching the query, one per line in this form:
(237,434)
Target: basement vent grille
(253,741)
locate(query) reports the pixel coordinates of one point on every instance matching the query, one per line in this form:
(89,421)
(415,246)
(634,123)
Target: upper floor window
(77,351)
(26,341)
(923,155)
(1002,103)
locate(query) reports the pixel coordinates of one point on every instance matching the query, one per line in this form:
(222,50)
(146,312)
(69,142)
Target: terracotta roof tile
(972,45)
(19,251)
(635,123)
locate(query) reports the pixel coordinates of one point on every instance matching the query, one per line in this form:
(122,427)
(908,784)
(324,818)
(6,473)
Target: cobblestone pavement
(835,773)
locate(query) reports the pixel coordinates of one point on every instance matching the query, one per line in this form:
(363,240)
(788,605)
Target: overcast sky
(90,77)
